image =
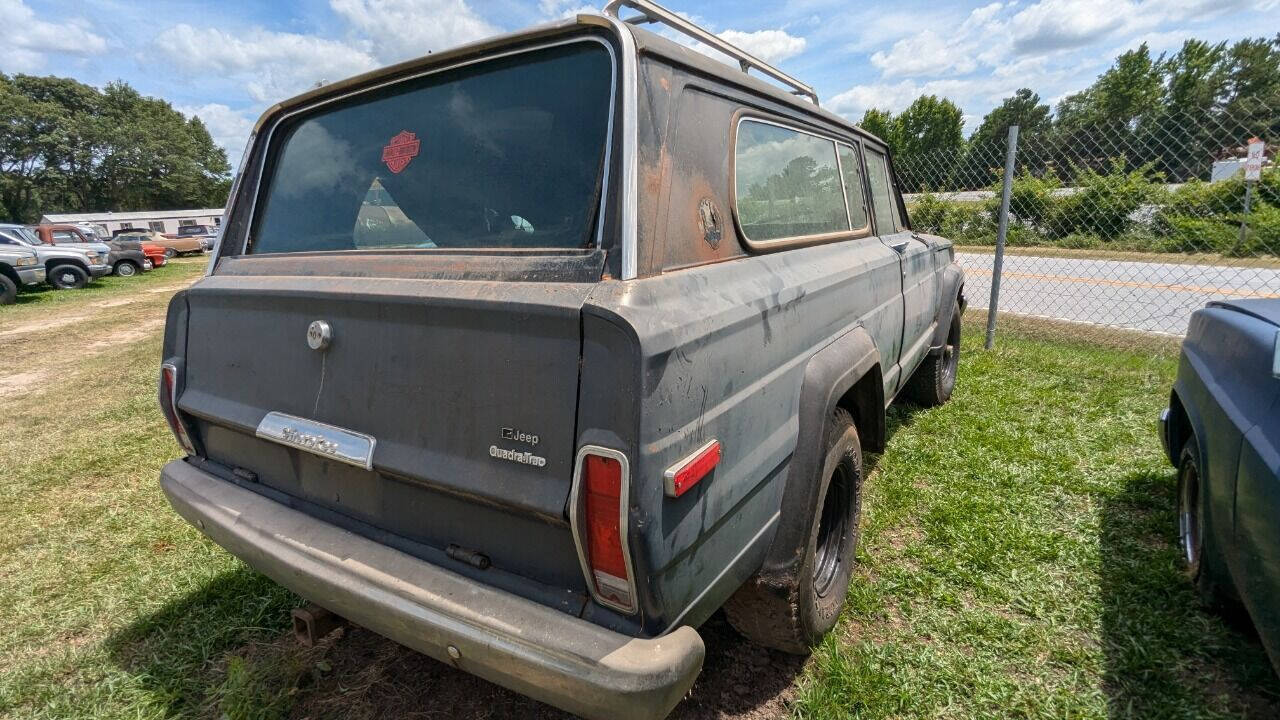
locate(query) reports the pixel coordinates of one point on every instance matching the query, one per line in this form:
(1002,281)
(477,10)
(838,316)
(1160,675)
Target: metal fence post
(1005,192)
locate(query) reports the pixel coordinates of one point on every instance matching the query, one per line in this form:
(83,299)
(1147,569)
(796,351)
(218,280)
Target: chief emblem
(319,335)
(402,148)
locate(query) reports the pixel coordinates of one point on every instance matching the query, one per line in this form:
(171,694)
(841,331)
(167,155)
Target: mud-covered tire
(8,291)
(816,594)
(67,277)
(935,379)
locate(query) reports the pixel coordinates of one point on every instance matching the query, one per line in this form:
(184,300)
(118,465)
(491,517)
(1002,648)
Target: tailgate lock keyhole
(319,335)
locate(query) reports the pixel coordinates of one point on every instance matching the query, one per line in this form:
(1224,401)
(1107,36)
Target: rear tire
(68,277)
(1193,541)
(125,268)
(817,592)
(8,291)
(935,379)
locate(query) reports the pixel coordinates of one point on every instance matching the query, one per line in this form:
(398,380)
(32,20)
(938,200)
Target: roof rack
(651,12)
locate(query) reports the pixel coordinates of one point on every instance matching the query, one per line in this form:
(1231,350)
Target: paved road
(1156,297)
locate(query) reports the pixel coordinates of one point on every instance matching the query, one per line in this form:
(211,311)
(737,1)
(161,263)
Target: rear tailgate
(469,389)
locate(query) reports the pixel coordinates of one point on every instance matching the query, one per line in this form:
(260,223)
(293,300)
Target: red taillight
(169,406)
(686,473)
(598,515)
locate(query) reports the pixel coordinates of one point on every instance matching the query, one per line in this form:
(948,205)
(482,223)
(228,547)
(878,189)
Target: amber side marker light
(690,471)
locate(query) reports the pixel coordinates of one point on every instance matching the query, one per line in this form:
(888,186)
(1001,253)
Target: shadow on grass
(1165,655)
(226,650)
(173,651)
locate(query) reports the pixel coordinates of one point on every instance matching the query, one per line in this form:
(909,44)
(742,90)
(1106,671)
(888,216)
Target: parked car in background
(645,386)
(1222,431)
(127,257)
(206,234)
(173,246)
(155,253)
(71,237)
(19,267)
(66,267)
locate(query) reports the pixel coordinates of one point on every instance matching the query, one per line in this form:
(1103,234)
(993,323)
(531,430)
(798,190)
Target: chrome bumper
(530,648)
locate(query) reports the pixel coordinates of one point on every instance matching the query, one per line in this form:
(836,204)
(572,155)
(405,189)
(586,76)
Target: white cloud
(395,30)
(769,45)
(229,128)
(924,54)
(31,38)
(272,65)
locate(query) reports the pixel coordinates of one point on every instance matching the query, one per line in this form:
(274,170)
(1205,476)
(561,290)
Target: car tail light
(598,513)
(686,473)
(169,405)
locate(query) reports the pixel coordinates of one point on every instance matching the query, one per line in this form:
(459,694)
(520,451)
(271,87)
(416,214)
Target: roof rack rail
(651,12)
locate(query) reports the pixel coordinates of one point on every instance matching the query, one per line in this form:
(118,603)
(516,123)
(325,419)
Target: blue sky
(227,61)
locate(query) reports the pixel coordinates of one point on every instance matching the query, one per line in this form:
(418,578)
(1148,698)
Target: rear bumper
(527,647)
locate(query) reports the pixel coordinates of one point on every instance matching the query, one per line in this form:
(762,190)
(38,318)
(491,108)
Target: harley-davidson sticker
(402,148)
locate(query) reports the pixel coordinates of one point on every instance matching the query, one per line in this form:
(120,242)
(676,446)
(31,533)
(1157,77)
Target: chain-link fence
(1125,225)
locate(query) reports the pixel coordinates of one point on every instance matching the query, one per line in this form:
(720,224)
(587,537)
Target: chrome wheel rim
(1189,518)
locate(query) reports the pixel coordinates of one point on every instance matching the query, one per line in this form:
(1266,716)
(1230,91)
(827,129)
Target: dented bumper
(530,648)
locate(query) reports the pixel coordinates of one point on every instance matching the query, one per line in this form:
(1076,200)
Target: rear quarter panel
(1224,383)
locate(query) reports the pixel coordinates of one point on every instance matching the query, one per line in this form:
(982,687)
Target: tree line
(1171,115)
(70,147)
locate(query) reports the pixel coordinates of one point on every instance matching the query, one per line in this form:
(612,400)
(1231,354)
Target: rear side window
(787,183)
(882,195)
(506,153)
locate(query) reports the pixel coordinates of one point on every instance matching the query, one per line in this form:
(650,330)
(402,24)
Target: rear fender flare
(828,376)
(950,292)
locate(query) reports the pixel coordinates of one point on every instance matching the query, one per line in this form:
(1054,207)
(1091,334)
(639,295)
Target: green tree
(1023,109)
(879,123)
(928,143)
(68,146)
(1253,86)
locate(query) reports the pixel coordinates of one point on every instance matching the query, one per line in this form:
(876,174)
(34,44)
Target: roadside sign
(1253,164)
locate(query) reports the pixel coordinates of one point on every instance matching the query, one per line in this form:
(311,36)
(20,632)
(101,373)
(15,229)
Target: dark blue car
(1222,432)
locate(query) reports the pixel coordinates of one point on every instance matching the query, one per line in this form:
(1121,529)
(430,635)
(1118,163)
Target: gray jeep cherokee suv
(532,354)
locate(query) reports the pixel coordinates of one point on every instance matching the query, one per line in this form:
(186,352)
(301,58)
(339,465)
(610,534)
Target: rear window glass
(508,153)
(787,183)
(882,196)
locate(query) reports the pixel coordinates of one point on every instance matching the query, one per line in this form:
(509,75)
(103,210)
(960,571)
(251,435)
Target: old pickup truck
(610,365)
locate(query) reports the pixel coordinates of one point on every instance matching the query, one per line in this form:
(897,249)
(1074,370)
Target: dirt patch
(42,325)
(18,383)
(127,334)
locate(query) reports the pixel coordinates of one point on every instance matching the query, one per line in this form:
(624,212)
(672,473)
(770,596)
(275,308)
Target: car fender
(829,374)
(950,301)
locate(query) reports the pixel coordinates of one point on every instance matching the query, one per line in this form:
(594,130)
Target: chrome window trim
(793,240)
(862,176)
(628,200)
(575,524)
(629,170)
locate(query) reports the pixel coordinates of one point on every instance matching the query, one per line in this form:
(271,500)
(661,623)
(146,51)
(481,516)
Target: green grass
(1017,561)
